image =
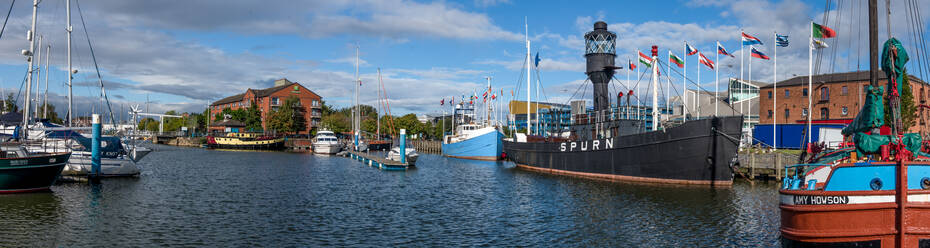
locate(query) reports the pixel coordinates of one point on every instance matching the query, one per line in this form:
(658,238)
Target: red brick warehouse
(271,99)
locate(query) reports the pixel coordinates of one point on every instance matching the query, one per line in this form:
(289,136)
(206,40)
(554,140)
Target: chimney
(281,82)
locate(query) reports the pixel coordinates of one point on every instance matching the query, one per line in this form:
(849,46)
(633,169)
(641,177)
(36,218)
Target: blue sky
(184,54)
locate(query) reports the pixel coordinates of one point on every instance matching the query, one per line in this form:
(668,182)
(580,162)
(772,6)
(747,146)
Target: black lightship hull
(696,152)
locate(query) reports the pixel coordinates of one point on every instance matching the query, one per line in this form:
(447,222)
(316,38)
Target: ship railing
(794,182)
(612,114)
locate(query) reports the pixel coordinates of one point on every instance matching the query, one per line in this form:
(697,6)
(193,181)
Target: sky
(182,55)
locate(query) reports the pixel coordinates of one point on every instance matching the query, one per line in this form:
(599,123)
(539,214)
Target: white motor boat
(325,142)
(412,155)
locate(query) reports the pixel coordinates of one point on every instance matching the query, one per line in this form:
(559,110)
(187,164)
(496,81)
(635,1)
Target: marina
(444,202)
(416,123)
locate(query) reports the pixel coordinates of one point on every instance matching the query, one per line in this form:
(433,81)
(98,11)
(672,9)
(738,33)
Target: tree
(908,107)
(148,124)
(52,115)
(9,105)
(289,118)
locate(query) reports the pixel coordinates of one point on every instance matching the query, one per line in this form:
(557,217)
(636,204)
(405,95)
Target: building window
(824,113)
(787,114)
(845,91)
(804,112)
(804,92)
(770,114)
(824,94)
(316,103)
(787,93)
(770,95)
(274,101)
(845,110)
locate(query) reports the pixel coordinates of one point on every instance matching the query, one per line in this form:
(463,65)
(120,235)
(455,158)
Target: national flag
(723,51)
(646,60)
(674,59)
(822,32)
(705,61)
(781,40)
(632,66)
(758,54)
(494,96)
(537,59)
(750,40)
(442,102)
(690,49)
(818,44)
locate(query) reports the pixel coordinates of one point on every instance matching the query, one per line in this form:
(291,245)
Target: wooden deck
(376,161)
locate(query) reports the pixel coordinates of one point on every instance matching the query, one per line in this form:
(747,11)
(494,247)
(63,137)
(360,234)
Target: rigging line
(18,93)
(672,87)
(99,77)
(913,32)
(839,19)
(539,81)
(519,81)
(576,92)
(920,31)
(826,18)
(859,41)
(707,91)
(852,15)
(7,19)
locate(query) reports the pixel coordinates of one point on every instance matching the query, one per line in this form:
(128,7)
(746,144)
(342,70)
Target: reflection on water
(197,197)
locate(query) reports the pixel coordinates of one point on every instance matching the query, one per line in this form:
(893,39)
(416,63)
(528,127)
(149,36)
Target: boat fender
(925,183)
(876,183)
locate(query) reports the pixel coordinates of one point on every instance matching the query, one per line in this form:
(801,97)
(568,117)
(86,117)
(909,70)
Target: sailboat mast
(378,112)
(70,71)
(356,118)
(45,98)
(873,43)
(35,99)
(487,105)
(32,46)
(529,124)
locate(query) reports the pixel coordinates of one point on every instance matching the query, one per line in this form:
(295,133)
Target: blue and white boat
(472,141)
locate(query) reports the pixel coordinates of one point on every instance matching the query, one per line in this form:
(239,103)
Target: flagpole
(655,90)
(668,81)
(684,85)
(749,99)
(628,82)
(529,124)
(810,76)
(717,80)
(741,55)
(637,79)
(697,99)
(775,96)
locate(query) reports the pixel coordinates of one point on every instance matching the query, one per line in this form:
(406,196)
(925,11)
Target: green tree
(9,105)
(52,115)
(148,124)
(290,117)
(908,107)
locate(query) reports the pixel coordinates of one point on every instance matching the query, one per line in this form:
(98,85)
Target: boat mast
(487,105)
(873,43)
(70,71)
(29,54)
(355,124)
(378,113)
(45,101)
(655,88)
(35,99)
(529,124)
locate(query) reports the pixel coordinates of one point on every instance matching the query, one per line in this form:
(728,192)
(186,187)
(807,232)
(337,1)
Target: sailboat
(358,139)
(875,194)
(471,140)
(23,170)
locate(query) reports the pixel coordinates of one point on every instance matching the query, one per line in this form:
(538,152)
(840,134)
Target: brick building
(836,99)
(271,98)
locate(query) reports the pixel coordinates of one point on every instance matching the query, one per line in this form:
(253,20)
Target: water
(196,197)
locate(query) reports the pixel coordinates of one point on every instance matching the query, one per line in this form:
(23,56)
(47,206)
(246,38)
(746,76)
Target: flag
(494,96)
(690,49)
(705,61)
(646,60)
(452,101)
(822,32)
(720,50)
(537,59)
(674,59)
(818,44)
(442,102)
(758,54)
(781,40)
(749,40)
(632,66)
(472,102)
